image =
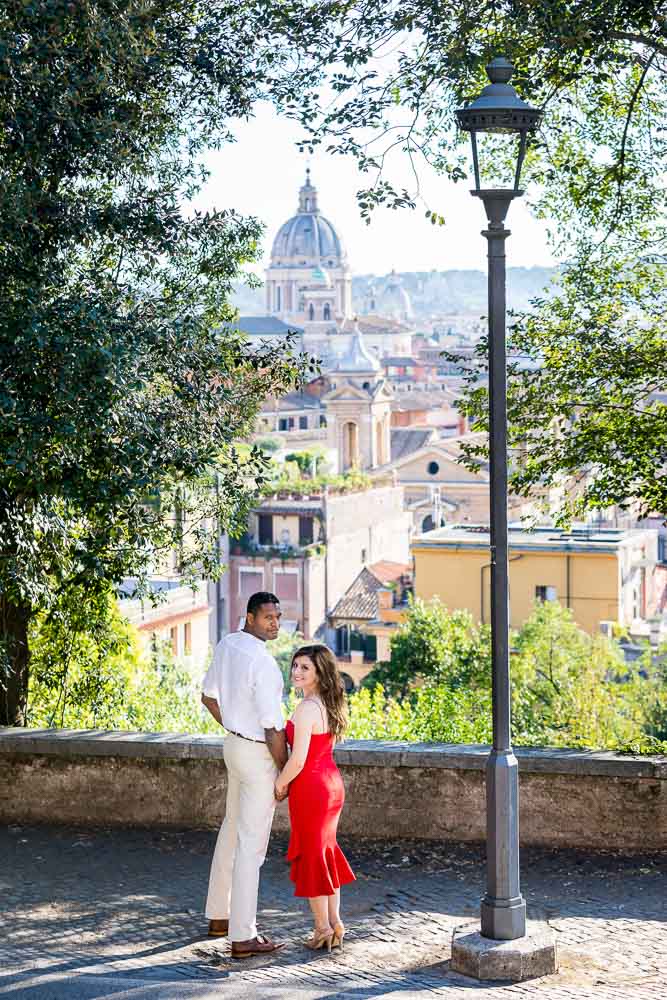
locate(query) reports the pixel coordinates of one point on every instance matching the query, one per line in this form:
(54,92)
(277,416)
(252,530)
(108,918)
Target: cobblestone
(119,914)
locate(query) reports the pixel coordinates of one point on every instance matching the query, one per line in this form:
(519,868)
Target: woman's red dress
(316,798)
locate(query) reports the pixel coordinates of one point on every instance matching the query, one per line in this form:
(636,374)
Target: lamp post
(503,910)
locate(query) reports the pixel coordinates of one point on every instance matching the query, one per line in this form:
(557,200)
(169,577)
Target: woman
(316,792)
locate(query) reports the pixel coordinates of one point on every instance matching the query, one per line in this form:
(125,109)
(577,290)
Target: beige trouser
(244,837)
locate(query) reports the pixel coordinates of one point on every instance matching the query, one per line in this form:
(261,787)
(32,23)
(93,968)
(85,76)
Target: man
(243,691)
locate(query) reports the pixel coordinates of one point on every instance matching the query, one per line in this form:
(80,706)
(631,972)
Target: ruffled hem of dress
(319,875)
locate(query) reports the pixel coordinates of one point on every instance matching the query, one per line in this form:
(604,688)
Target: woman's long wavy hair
(331,687)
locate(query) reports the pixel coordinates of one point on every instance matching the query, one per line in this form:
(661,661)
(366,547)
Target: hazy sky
(261,173)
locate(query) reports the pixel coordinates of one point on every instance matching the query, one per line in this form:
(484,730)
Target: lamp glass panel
(497,155)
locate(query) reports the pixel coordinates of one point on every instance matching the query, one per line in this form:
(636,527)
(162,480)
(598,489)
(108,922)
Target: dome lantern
(308,196)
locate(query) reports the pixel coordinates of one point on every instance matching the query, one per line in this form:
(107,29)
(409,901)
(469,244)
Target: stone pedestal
(528,957)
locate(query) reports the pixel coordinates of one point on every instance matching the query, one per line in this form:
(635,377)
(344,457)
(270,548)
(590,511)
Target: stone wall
(433,791)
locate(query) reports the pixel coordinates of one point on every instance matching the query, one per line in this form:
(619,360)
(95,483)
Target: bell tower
(359,409)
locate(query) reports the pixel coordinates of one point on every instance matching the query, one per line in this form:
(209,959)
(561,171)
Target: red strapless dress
(316,797)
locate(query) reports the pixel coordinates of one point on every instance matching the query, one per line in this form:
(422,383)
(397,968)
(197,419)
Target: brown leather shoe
(218,928)
(259,945)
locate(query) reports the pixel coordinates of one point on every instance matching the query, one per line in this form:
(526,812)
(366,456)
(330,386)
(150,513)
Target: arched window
(308,204)
(327,311)
(433,468)
(278,290)
(311,312)
(350,446)
(428,523)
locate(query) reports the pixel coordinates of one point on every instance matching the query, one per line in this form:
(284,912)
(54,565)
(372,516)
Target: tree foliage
(123,384)
(435,646)
(568,688)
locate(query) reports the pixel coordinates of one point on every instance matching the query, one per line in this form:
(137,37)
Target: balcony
(248,546)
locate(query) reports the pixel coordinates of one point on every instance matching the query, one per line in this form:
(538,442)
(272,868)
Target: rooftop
(406,440)
(292,401)
(360,599)
(580,538)
(265,326)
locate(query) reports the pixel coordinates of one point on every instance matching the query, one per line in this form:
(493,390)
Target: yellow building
(606,575)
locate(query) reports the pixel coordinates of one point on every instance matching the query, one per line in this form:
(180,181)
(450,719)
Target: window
(187,638)
(428,524)
(323,423)
(173,638)
(363,556)
(286,585)
(327,311)
(278,298)
(265,529)
(366,385)
(303,423)
(282,424)
(311,312)
(342,640)
(544,593)
(433,468)
(250,581)
(306,531)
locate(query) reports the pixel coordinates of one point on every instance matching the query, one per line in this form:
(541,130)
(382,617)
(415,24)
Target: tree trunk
(14,662)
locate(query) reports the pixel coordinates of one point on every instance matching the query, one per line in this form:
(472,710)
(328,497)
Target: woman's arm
(305,717)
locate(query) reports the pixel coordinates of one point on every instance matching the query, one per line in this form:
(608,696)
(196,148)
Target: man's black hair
(256,600)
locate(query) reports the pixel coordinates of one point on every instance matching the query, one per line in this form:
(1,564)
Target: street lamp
(503,910)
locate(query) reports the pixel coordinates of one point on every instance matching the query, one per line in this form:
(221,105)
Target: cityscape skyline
(242,178)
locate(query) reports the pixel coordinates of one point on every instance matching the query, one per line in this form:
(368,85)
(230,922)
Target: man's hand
(212,705)
(277,744)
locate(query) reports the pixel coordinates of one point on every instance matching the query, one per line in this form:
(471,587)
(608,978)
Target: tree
(587,424)
(585,410)
(123,384)
(437,646)
(573,689)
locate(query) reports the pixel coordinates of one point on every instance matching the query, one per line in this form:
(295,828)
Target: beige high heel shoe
(321,939)
(338,935)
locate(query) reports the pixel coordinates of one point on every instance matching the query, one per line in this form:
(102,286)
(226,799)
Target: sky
(261,172)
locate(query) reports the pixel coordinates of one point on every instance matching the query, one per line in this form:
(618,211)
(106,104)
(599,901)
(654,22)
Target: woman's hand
(281,791)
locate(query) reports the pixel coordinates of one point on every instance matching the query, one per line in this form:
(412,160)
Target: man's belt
(242,737)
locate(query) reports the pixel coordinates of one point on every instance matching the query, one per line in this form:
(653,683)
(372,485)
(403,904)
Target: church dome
(308,235)
(393,300)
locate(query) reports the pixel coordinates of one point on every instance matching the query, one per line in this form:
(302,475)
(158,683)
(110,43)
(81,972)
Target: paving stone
(120,913)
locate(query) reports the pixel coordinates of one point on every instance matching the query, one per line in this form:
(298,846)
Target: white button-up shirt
(247,684)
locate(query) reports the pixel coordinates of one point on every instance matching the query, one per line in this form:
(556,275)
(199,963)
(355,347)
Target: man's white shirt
(247,684)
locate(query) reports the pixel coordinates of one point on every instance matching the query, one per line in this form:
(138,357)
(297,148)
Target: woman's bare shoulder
(306,711)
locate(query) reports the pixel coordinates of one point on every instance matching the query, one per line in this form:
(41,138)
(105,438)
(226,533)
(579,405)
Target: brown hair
(331,687)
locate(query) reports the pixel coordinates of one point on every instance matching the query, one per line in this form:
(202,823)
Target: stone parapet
(569,798)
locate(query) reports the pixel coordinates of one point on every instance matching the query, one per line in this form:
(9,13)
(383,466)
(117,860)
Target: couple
(243,691)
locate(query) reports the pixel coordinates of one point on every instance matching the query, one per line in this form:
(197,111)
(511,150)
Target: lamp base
(529,957)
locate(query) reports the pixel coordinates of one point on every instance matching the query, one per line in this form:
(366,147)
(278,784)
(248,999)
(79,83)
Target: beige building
(180,620)
(602,576)
(438,489)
